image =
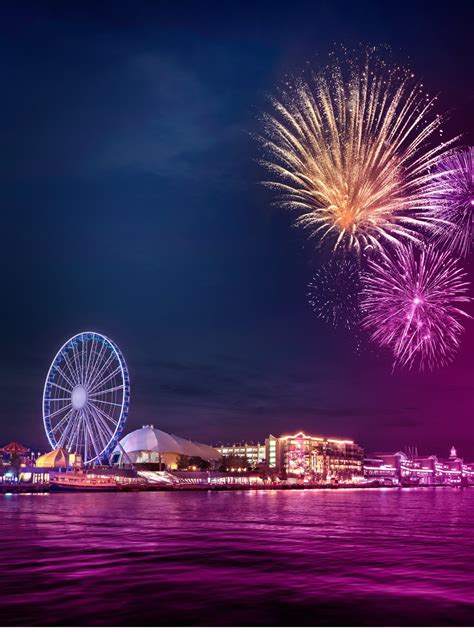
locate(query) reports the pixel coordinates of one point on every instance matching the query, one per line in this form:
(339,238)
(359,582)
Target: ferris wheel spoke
(85,433)
(107,416)
(86,452)
(72,372)
(71,443)
(66,437)
(57,399)
(80,360)
(105,402)
(98,361)
(95,356)
(60,410)
(89,359)
(105,419)
(100,367)
(89,431)
(109,390)
(62,421)
(101,372)
(61,372)
(115,372)
(103,432)
(60,387)
(66,429)
(71,369)
(75,355)
(102,429)
(76,432)
(83,360)
(93,361)
(108,423)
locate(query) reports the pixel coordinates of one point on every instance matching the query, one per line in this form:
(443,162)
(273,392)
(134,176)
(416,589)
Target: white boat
(81,482)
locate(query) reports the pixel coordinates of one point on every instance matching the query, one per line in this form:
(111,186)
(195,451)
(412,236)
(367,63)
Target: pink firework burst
(410,304)
(456,178)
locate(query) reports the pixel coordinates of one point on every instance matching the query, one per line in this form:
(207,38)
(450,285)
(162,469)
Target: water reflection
(309,557)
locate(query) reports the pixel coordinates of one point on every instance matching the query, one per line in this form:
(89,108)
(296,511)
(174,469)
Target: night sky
(131,205)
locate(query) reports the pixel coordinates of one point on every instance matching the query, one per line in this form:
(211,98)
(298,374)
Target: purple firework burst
(410,304)
(456,176)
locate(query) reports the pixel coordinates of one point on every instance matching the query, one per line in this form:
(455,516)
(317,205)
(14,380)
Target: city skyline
(133,200)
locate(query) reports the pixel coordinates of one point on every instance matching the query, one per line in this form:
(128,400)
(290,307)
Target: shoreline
(46,488)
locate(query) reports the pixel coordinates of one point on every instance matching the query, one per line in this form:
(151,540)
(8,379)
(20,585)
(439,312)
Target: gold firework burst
(351,151)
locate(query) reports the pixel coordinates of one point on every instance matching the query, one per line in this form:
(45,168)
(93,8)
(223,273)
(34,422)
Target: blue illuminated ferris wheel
(86,397)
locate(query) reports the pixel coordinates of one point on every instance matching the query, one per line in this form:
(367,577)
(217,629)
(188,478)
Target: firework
(456,171)
(411,304)
(350,151)
(333,293)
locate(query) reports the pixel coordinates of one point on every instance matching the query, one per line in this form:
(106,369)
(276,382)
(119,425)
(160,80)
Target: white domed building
(148,445)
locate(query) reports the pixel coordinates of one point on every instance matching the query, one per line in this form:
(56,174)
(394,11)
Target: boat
(81,482)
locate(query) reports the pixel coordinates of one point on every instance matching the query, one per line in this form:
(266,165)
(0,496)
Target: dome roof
(187,447)
(209,453)
(150,439)
(56,458)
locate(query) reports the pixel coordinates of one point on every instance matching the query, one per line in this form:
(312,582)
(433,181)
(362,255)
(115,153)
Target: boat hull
(64,487)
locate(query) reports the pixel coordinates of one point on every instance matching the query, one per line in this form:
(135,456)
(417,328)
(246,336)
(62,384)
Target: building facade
(303,457)
(318,459)
(254,453)
(402,468)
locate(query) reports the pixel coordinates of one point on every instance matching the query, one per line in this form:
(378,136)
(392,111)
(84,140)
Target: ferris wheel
(86,397)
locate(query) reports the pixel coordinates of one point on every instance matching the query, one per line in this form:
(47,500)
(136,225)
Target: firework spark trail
(410,304)
(351,153)
(456,172)
(333,293)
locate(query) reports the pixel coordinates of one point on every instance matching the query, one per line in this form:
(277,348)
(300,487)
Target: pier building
(408,467)
(151,447)
(315,459)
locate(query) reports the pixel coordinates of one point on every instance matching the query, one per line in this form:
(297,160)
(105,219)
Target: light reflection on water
(309,557)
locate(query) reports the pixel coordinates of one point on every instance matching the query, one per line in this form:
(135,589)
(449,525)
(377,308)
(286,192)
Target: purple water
(310,557)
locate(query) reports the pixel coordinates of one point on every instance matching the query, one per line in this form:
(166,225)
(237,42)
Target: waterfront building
(253,453)
(377,468)
(271,449)
(318,459)
(155,449)
(303,456)
(402,468)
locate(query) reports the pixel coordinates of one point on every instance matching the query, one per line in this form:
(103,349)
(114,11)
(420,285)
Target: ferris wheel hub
(78,397)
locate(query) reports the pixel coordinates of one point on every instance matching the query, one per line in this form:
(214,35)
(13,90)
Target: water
(314,557)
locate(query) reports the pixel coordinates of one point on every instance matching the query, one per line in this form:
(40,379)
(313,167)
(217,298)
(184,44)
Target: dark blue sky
(131,206)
